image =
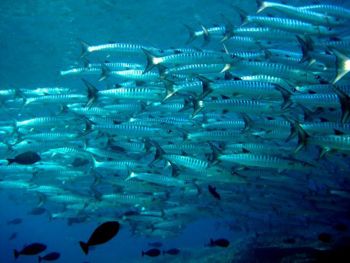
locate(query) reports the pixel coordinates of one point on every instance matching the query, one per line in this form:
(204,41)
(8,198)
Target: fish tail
(84,48)
(342,64)
(286,95)
(16,253)
(150,60)
(242,14)
(40,259)
(344,104)
(92,92)
(130,176)
(105,72)
(169,87)
(228,29)
(261,5)
(302,136)
(206,88)
(306,45)
(248,122)
(191,33)
(9,161)
(206,36)
(84,247)
(197,106)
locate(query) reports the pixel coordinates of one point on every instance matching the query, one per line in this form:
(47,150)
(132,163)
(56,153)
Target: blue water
(40,38)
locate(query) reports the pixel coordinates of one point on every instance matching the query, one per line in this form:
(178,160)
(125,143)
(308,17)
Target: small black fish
(25,158)
(37,211)
(50,257)
(341,227)
(102,234)
(155,244)
(76,220)
(13,236)
(15,221)
(213,192)
(30,250)
(289,240)
(219,242)
(154,252)
(325,237)
(172,251)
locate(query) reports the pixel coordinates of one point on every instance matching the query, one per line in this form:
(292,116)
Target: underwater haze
(174,131)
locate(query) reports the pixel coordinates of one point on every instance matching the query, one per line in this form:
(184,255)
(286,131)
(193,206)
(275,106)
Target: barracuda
(236,105)
(156,179)
(337,11)
(187,161)
(206,33)
(203,57)
(59,98)
(300,13)
(266,161)
(129,74)
(120,48)
(286,24)
(52,136)
(49,121)
(81,71)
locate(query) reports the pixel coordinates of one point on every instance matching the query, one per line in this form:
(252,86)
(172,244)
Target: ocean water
(41,38)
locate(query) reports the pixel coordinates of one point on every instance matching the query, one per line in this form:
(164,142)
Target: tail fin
(197,106)
(91,91)
(192,35)
(261,6)
(286,94)
(16,253)
(302,136)
(40,259)
(242,14)
(84,48)
(342,64)
(84,247)
(228,29)
(151,61)
(105,72)
(169,87)
(206,36)
(306,45)
(344,103)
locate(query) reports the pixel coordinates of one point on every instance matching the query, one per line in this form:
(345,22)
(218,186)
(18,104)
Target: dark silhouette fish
(341,227)
(15,221)
(213,192)
(49,257)
(30,250)
(155,244)
(172,251)
(25,158)
(154,252)
(325,237)
(219,242)
(102,234)
(37,211)
(13,236)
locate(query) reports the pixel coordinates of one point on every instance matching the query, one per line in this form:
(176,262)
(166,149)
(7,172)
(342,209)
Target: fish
(13,236)
(49,257)
(15,221)
(172,251)
(222,242)
(325,237)
(25,158)
(30,250)
(102,234)
(213,192)
(154,252)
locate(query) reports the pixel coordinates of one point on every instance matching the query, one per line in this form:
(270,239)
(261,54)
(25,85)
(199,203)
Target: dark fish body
(15,221)
(154,252)
(25,158)
(213,192)
(30,250)
(102,234)
(49,257)
(172,251)
(37,211)
(219,242)
(325,237)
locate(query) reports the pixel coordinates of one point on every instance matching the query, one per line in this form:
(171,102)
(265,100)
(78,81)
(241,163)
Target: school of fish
(253,126)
